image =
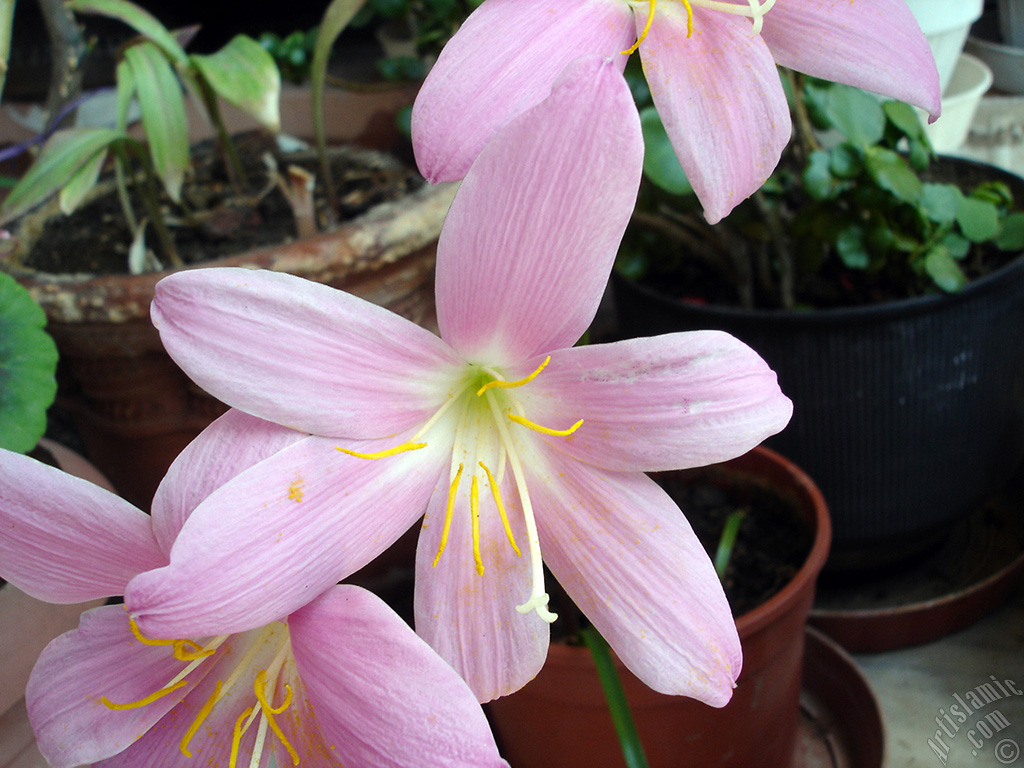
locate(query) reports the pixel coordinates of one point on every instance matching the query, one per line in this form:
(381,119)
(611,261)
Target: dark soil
(218,222)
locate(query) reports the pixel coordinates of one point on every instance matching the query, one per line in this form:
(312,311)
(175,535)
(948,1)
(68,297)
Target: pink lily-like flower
(710,65)
(513,442)
(340,681)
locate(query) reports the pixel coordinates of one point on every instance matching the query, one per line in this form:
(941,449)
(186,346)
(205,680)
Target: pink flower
(710,65)
(339,681)
(512,441)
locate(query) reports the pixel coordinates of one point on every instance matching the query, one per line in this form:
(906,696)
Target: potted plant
(875,293)
(136,410)
(561,718)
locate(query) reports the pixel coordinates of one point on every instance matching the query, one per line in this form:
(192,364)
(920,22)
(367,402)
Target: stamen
(496,493)
(236,737)
(142,702)
(146,640)
(474,513)
(269,712)
(544,430)
(452,490)
(206,709)
(512,384)
(689,18)
(189,650)
(382,454)
(647,27)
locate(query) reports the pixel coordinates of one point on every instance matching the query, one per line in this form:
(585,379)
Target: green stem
(236,173)
(151,198)
(625,728)
(121,175)
(728,541)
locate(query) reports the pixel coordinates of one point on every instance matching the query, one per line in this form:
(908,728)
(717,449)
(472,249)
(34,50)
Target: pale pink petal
(651,404)
(626,555)
(66,540)
(381,696)
(531,236)
(230,445)
(501,62)
(300,353)
(471,619)
(280,533)
(872,44)
(100,658)
(719,96)
(236,665)
(301,725)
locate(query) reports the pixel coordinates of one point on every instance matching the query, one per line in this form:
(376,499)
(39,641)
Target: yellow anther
(452,490)
(142,702)
(146,640)
(189,650)
(382,454)
(474,514)
(496,493)
(544,430)
(647,27)
(269,712)
(236,737)
(207,708)
(519,383)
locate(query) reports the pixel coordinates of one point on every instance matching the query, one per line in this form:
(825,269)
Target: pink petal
(236,665)
(232,444)
(280,533)
(668,402)
(872,44)
(301,354)
(626,555)
(471,619)
(501,62)
(531,236)
(66,540)
(381,696)
(100,658)
(719,96)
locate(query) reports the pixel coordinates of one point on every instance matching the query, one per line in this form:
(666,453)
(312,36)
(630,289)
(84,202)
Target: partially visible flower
(520,448)
(710,65)
(340,681)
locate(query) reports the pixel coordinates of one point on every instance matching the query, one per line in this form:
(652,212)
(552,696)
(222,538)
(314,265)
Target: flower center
(483,449)
(271,641)
(751,8)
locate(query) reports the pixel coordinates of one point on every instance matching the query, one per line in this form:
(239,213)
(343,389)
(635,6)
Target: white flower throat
(484,409)
(751,8)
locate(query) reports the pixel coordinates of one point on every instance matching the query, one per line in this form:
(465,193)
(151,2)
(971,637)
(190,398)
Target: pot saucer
(840,720)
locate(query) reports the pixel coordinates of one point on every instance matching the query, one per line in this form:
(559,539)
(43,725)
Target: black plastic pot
(907,414)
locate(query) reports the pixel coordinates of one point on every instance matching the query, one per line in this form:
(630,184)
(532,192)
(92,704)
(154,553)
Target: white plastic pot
(946,23)
(971,79)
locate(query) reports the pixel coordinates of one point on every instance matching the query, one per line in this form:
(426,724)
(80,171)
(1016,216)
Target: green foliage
(848,198)
(292,54)
(28,362)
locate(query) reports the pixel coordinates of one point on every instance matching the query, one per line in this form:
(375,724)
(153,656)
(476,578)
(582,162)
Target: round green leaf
(856,114)
(904,118)
(660,162)
(28,362)
(846,160)
(892,173)
(943,270)
(1011,236)
(940,202)
(978,219)
(817,176)
(850,243)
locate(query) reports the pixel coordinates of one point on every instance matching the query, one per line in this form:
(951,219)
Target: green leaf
(892,173)
(995,192)
(1011,236)
(817,176)
(81,183)
(904,118)
(337,16)
(660,162)
(243,73)
(142,21)
(63,155)
(957,245)
(846,160)
(28,362)
(125,93)
(163,114)
(943,270)
(978,219)
(852,248)
(940,202)
(856,114)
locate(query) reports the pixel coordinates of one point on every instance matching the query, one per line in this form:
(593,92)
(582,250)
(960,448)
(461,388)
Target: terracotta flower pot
(136,410)
(561,720)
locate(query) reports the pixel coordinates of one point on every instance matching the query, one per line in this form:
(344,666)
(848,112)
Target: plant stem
(151,198)
(625,728)
(121,175)
(67,46)
(780,244)
(236,173)
(6,22)
(725,544)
